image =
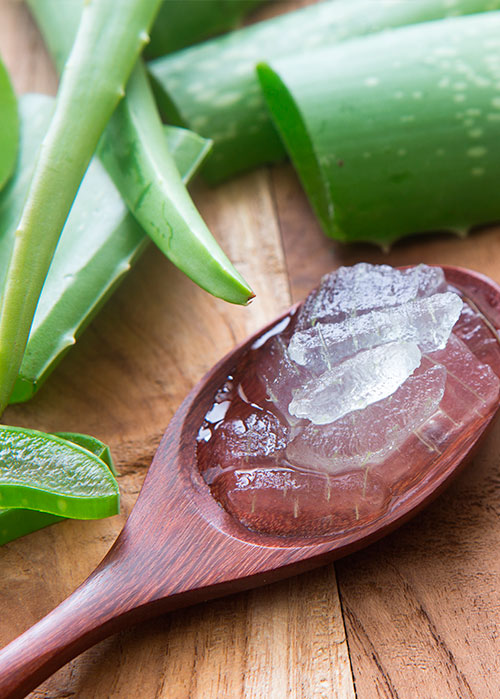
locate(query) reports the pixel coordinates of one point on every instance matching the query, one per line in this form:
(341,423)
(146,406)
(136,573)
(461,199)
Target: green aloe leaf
(85,269)
(183,22)
(212,88)
(397,133)
(156,196)
(49,474)
(107,45)
(18,521)
(9,127)
(134,152)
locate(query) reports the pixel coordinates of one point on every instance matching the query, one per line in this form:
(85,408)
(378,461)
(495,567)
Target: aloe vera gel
(348,402)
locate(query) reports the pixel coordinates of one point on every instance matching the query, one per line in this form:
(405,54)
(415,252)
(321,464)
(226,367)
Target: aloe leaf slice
(396,133)
(9,127)
(212,88)
(180,23)
(86,269)
(134,152)
(49,474)
(16,521)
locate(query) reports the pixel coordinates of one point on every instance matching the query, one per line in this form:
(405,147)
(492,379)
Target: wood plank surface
(421,607)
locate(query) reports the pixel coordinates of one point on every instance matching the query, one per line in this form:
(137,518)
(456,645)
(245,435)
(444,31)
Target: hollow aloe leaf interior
(181,23)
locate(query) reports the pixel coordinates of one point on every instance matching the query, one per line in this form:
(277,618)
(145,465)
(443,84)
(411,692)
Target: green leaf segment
(396,133)
(86,268)
(150,184)
(45,478)
(9,127)
(212,88)
(109,39)
(134,152)
(47,473)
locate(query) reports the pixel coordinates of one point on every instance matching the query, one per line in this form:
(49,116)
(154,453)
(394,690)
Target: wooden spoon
(179,547)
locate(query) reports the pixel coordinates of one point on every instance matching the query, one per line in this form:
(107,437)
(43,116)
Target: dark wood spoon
(179,547)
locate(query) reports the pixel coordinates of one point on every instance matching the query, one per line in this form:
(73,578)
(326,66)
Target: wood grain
(123,382)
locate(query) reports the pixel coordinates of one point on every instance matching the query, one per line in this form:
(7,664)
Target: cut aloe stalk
(49,474)
(212,88)
(134,152)
(85,269)
(9,127)
(181,23)
(16,521)
(396,133)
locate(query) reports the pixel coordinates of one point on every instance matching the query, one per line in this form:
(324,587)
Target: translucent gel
(349,403)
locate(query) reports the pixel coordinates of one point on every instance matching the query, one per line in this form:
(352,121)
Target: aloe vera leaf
(16,522)
(92,444)
(108,41)
(85,269)
(49,474)
(9,127)
(134,151)
(155,195)
(183,22)
(212,88)
(397,133)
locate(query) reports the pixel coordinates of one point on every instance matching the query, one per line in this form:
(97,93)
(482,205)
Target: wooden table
(414,616)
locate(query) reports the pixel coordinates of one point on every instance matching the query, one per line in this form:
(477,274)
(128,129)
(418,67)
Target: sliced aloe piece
(212,88)
(49,474)
(181,23)
(9,127)
(85,269)
(396,133)
(133,149)
(16,522)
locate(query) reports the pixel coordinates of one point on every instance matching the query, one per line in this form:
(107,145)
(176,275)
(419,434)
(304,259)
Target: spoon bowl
(180,547)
